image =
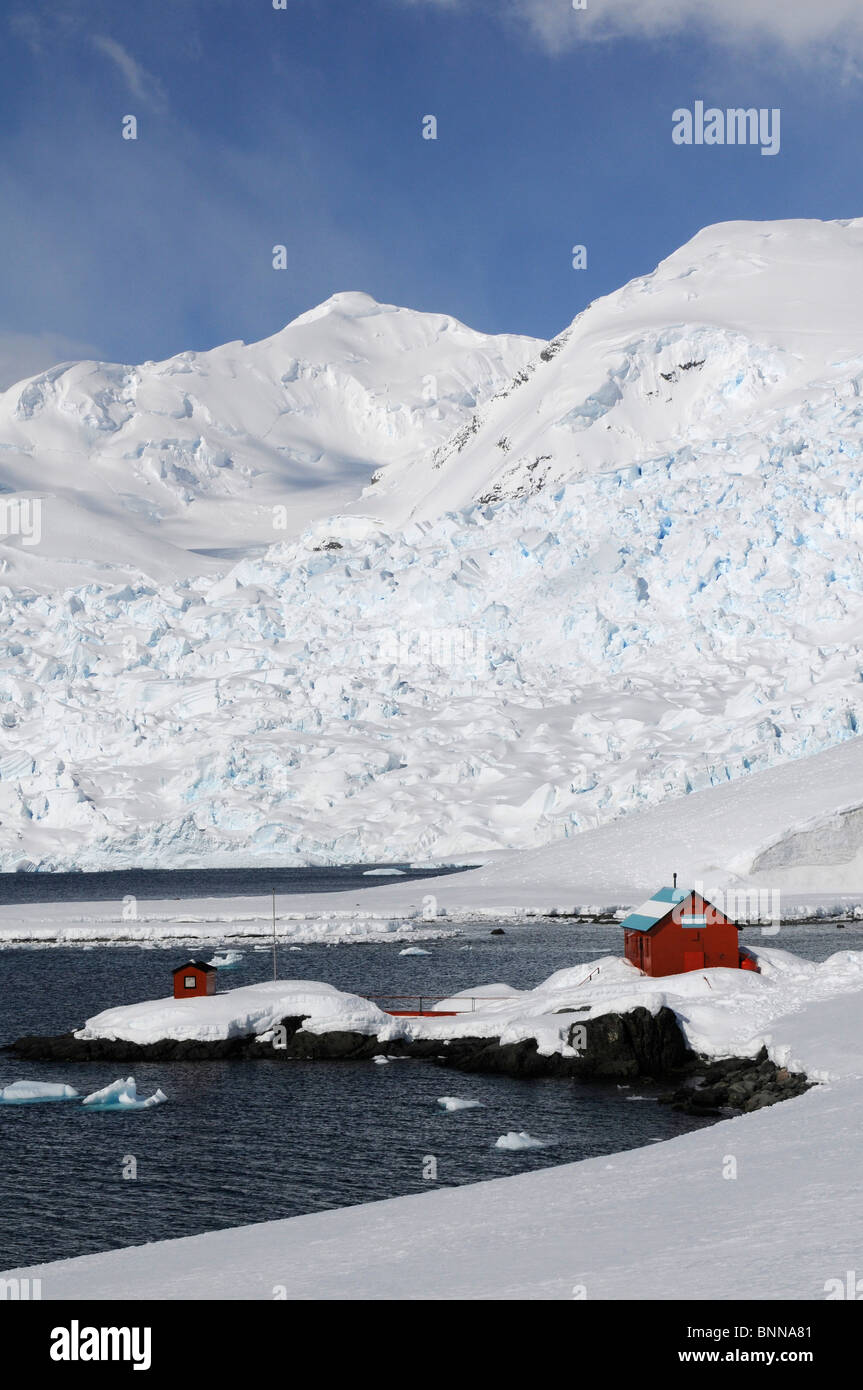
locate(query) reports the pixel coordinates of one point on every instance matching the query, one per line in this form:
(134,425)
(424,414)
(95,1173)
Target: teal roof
(657,907)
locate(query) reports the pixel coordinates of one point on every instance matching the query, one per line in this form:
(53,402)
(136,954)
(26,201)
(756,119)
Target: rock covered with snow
(253,1010)
(786,1009)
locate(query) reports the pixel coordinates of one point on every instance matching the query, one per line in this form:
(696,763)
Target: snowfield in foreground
(788,1225)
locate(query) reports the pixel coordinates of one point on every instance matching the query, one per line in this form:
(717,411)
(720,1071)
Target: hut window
(189,982)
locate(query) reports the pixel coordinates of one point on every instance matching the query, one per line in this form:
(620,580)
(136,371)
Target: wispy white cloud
(805,27)
(141,83)
(26,26)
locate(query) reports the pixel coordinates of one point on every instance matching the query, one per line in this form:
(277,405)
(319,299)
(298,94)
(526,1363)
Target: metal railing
(427,1001)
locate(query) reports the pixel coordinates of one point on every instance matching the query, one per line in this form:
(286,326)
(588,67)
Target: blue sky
(303,127)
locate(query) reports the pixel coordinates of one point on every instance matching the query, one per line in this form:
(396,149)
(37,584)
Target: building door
(693,960)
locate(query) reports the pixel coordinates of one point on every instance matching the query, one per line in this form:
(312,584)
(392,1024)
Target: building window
(189,982)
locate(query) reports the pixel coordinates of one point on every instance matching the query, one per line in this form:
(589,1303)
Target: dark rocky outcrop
(637,1044)
(68,1048)
(616,1045)
(737,1084)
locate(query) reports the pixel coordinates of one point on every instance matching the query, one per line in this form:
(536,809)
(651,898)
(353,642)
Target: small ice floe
(380,1061)
(414,951)
(30,1092)
(520,1140)
(635,1097)
(383,873)
(456,1103)
(122,1095)
(223,960)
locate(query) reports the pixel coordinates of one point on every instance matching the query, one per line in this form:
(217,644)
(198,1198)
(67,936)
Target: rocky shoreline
(737,1084)
(614,1047)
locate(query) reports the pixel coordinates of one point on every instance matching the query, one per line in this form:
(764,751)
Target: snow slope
(747,334)
(794,829)
(669,601)
(786,1224)
(139,465)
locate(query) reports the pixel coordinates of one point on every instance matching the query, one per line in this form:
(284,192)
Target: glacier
(590,576)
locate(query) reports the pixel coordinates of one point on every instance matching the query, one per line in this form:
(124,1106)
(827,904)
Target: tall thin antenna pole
(275,972)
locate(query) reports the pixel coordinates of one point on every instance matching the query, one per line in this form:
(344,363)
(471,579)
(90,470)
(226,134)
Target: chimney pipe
(675,880)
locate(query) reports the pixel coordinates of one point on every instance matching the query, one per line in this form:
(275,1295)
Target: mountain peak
(349,304)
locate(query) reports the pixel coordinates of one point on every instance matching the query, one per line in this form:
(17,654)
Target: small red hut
(678,930)
(195,977)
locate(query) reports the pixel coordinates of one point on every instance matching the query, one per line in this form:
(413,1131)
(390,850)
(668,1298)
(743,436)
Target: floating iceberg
(414,951)
(122,1095)
(223,960)
(520,1140)
(456,1103)
(28,1092)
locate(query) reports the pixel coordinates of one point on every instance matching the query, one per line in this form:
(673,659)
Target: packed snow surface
(22,1092)
(592,577)
(123,1095)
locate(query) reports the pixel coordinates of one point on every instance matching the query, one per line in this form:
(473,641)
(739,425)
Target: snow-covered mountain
(631,572)
(233,449)
(746,335)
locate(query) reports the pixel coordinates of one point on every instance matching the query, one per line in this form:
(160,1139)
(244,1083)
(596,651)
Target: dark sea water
(196,883)
(239,1142)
